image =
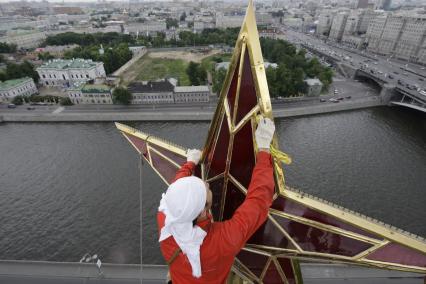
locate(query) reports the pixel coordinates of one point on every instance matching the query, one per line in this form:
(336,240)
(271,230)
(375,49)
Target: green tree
(65,102)
(196,73)
(170,22)
(18,100)
(218,79)
(7,48)
(45,56)
(121,95)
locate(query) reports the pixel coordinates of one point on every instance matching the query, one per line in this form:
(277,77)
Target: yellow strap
(280,156)
(275,153)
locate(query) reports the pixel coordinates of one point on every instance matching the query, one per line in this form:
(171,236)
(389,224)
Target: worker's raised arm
(235,232)
(193,157)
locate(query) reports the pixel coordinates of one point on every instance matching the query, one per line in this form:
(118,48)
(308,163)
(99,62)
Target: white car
(422,92)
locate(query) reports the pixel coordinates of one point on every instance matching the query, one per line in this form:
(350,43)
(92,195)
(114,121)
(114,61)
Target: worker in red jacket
(204,253)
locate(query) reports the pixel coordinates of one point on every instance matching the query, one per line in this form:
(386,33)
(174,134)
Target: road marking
(58,110)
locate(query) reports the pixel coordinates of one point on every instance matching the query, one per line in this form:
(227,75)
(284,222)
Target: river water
(71,188)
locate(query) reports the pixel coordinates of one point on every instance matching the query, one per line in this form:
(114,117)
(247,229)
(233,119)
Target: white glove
(193,155)
(264,133)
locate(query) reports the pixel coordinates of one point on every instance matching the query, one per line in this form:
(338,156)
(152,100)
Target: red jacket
(224,239)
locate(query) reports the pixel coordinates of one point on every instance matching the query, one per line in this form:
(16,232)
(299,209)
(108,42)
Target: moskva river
(67,189)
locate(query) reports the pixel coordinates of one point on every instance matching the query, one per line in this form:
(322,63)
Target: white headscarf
(182,203)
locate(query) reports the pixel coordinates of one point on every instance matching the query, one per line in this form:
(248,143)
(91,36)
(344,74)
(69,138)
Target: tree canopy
(113,58)
(16,71)
(196,73)
(121,95)
(7,48)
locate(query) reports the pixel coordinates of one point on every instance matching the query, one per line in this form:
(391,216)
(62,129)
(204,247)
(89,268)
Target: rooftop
(12,83)
(191,89)
(98,88)
(68,64)
(151,87)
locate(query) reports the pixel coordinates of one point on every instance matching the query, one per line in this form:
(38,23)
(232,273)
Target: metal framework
(299,226)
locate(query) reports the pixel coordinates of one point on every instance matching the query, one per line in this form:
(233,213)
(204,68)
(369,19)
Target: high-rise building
(401,35)
(338,26)
(362,4)
(324,24)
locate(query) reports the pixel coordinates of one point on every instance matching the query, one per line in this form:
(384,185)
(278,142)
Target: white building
(313,87)
(324,24)
(338,26)
(90,94)
(228,21)
(17,87)
(24,38)
(187,94)
(63,73)
(153,92)
(401,35)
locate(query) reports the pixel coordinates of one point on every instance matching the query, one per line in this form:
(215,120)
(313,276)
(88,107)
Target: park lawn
(208,62)
(158,68)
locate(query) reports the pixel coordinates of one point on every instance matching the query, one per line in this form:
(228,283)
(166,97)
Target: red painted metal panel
(178,159)
(138,143)
(253,261)
(397,253)
(287,268)
(269,235)
(166,169)
(243,159)
(291,207)
(234,198)
(317,240)
(272,276)
(218,155)
(232,92)
(248,98)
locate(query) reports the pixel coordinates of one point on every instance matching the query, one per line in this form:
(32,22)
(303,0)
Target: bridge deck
(410,106)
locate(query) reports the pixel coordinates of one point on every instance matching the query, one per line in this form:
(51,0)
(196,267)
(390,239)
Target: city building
(188,94)
(374,32)
(324,24)
(412,38)
(399,35)
(228,21)
(24,38)
(63,73)
(338,26)
(82,93)
(17,87)
(362,4)
(313,87)
(152,92)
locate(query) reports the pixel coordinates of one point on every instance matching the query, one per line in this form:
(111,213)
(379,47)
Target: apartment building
(399,35)
(24,38)
(338,26)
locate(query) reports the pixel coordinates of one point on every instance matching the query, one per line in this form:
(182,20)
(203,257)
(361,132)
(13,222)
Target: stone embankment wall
(183,115)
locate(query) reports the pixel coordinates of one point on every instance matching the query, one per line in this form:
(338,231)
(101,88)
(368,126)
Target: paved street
(389,69)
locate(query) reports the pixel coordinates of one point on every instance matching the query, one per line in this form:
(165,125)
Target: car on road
(390,77)
(30,108)
(422,92)
(11,106)
(349,97)
(395,72)
(333,100)
(421,79)
(322,100)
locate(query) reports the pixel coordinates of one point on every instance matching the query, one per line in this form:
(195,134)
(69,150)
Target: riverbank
(176,115)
